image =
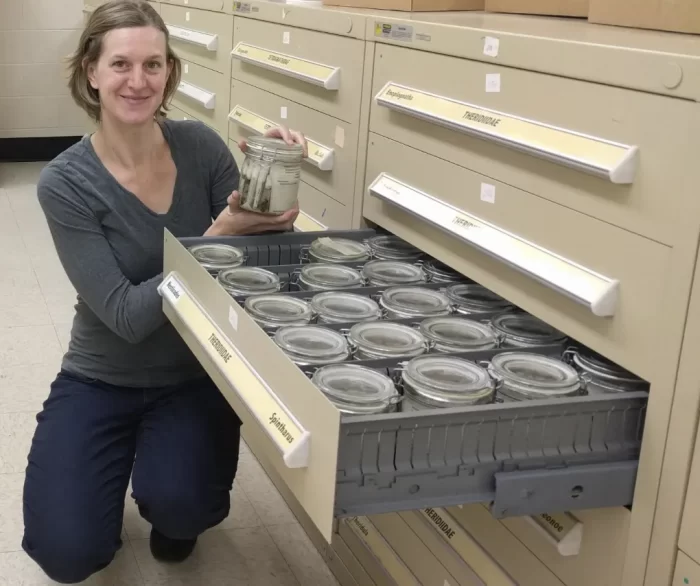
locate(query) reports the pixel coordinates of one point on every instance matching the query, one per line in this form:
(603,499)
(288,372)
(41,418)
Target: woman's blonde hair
(112,15)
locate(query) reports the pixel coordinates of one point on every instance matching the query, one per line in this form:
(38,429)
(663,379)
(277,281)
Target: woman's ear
(90,72)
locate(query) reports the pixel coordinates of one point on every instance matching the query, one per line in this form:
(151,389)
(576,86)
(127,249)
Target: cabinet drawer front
(604,151)
(200,36)
(175,113)
(320,70)
(214,5)
(204,94)
(156,6)
(323,210)
(689,540)
(330,167)
(687,571)
(567,268)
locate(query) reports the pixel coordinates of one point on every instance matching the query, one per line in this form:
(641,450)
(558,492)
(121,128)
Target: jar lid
(215,257)
(356,389)
(534,375)
(458,332)
(387,339)
(473,298)
(523,328)
(345,307)
(441,273)
(339,250)
(249,281)
(447,381)
(278,309)
(416,301)
(330,276)
(275,148)
(312,344)
(601,368)
(390,247)
(392,272)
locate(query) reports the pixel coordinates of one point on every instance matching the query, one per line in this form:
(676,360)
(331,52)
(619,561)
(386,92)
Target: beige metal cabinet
(687,571)
(204,94)
(214,5)
(689,541)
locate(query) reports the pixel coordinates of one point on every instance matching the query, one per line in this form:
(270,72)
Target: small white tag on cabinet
(187,16)
(285,37)
(488,193)
(283,112)
(493,83)
(339,136)
(491,46)
(233,318)
(187,68)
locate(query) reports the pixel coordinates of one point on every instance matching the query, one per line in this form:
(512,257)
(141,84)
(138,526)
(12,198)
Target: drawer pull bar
(596,292)
(207,99)
(206,40)
(305,223)
(325,76)
(320,156)
(614,162)
(275,419)
(562,530)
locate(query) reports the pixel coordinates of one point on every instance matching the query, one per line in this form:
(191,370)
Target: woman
(130,396)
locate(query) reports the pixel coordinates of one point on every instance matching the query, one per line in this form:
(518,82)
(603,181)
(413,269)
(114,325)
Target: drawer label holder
(562,530)
(325,76)
(201,96)
(305,223)
(612,161)
(320,156)
(380,549)
(596,292)
(207,41)
(275,419)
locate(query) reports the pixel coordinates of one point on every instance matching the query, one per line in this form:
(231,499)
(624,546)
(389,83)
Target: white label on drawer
(233,318)
(286,37)
(283,112)
(562,530)
(187,68)
(251,120)
(187,16)
(172,291)
(340,136)
(491,46)
(488,193)
(493,83)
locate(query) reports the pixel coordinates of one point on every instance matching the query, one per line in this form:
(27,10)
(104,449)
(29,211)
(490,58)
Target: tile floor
(260,544)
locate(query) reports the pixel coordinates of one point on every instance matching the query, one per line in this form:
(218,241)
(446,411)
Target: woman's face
(131,74)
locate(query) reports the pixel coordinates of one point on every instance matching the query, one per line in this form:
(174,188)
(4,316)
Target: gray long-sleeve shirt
(111,246)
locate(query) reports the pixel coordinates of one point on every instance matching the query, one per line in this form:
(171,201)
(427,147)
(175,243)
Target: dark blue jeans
(180,442)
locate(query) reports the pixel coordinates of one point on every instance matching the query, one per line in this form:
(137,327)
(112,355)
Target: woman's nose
(137,79)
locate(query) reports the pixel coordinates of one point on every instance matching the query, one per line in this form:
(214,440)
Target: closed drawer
(214,5)
(156,6)
(351,562)
(330,167)
(687,571)
(653,195)
(204,94)
(320,70)
(689,540)
(567,268)
(200,36)
(177,114)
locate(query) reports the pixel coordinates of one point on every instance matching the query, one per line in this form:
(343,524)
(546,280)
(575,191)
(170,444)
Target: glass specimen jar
(245,281)
(357,390)
(386,273)
(326,277)
(338,250)
(416,302)
(217,257)
(337,307)
(457,334)
(272,312)
(312,345)
(375,340)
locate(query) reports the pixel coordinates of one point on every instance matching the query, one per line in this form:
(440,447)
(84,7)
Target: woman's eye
(154,65)
(119,64)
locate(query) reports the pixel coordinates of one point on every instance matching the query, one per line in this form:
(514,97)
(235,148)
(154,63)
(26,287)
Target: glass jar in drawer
(312,345)
(341,307)
(387,273)
(246,281)
(457,334)
(375,340)
(217,257)
(356,390)
(521,330)
(325,277)
(468,298)
(338,250)
(272,312)
(602,375)
(388,247)
(417,302)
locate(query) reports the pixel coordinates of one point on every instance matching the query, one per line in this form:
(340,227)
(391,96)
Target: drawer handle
(208,41)
(320,156)
(562,530)
(614,162)
(274,418)
(305,223)
(88,9)
(325,76)
(207,99)
(596,292)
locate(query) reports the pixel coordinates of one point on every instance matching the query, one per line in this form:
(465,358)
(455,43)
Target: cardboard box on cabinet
(411,5)
(681,16)
(547,7)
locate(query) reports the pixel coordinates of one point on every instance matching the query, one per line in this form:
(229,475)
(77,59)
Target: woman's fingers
(233,203)
(243,145)
(299,138)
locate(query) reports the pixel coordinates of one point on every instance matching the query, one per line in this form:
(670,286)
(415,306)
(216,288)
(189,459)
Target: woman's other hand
(234,221)
(287,135)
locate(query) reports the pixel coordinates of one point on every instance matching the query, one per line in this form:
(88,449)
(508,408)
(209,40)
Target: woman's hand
(287,135)
(234,221)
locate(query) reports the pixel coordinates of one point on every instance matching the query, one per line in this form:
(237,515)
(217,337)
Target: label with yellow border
(305,223)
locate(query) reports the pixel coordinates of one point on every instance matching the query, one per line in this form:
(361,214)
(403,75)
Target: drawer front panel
(214,5)
(502,131)
(322,209)
(204,94)
(687,571)
(177,114)
(297,63)
(200,36)
(689,540)
(506,226)
(251,108)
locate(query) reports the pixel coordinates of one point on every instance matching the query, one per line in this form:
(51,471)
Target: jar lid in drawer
(241,281)
(355,389)
(525,376)
(602,375)
(273,311)
(324,276)
(338,250)
(438,272)
(308,345)
(217,257)
(341,307)
(472,298)
(389,247)
(406,302)
(458,334)
(382,273)
(445,381)
(385,340)
(522,329)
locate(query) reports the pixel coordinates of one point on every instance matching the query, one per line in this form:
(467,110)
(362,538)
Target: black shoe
(165,549)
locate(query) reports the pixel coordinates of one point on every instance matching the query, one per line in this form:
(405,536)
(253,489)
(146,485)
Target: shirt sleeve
(131,311)
(223,170)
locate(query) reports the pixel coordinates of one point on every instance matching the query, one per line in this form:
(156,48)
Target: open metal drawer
(524,458)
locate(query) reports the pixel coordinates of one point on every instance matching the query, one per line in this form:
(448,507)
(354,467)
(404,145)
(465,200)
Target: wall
(35,38)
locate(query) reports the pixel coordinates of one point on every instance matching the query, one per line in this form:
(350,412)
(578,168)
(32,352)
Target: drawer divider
(207,41)
(205,98)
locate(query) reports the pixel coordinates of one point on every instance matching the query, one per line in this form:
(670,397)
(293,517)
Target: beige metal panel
(177,114)
(252,363)
(156,6)
(649,61)
(656,125)
(581,239)
(601,559)
(687,571)
(204,94)
(334,51)
(326,134)
(351,562)
(323,209)
(213,50)
(689,540)
(213,5)
(503,547)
